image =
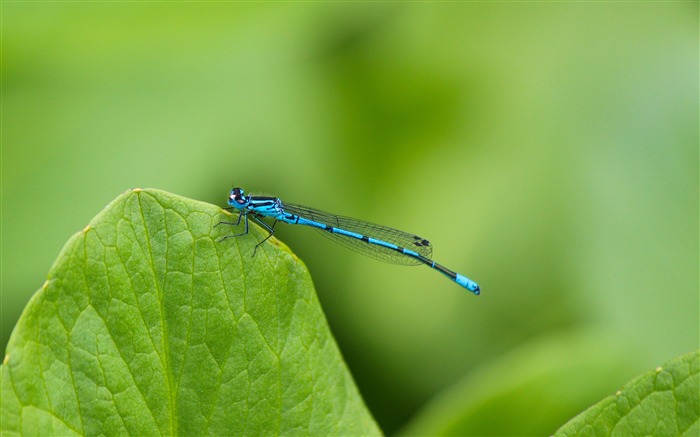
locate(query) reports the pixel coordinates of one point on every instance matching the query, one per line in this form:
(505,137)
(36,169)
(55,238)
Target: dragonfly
(370,239)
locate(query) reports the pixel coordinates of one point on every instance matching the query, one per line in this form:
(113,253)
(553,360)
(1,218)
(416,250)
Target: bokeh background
(547,150)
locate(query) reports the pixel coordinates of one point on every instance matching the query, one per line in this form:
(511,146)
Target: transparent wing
(379,232)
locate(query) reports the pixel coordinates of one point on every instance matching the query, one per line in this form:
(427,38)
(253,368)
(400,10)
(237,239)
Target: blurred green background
(549,151)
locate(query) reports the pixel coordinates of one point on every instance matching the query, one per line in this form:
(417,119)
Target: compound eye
(237,196)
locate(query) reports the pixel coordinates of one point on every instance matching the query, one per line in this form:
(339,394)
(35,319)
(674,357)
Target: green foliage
(540,374)
(547,150)
(146,325)
(664,402)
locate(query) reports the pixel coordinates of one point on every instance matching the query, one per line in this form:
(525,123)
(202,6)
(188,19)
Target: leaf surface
(147,325)
(663,402)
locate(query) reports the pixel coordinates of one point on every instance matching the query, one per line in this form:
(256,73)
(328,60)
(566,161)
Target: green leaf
(147,325)
(537,386)
(663,402)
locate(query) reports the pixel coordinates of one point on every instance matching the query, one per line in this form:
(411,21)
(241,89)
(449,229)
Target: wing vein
(367,229)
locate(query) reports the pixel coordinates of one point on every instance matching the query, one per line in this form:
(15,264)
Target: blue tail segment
(376,241)
(468,284)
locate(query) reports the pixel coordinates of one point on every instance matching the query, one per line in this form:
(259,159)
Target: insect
(376,241)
